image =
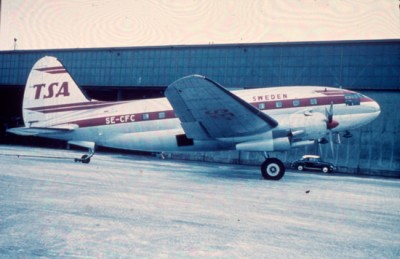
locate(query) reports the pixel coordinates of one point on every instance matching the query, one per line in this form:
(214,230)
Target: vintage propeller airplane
(197,114)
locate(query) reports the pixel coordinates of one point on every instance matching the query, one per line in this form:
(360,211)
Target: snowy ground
(131,206)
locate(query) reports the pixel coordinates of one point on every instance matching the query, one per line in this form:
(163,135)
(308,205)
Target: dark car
(311,162)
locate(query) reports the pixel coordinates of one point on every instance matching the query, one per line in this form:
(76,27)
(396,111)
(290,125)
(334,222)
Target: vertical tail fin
(49,90)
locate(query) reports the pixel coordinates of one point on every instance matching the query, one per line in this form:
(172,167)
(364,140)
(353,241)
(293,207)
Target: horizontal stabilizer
(34,131)
(209,111)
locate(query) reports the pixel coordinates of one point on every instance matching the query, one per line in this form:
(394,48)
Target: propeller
(331,124)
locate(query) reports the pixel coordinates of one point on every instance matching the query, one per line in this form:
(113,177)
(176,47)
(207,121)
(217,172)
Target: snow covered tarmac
(132,206)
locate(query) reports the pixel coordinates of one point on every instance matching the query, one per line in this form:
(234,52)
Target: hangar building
(371,67)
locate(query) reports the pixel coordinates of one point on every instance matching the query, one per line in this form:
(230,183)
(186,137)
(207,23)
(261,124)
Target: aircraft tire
(272,169)
(85,159)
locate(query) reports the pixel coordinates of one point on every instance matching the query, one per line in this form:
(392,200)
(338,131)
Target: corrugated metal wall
(371,66)
(351,64)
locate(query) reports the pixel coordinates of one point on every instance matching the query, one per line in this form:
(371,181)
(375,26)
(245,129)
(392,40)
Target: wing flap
(207,110)
(195,130)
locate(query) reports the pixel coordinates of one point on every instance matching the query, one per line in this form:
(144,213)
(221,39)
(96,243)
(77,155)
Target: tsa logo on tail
(55,90)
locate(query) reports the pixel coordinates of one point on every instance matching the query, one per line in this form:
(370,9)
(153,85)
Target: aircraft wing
(209,111)
(33,131)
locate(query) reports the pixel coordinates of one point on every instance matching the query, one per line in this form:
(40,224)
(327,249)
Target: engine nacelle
(267,143)
(293,131)
(312,126)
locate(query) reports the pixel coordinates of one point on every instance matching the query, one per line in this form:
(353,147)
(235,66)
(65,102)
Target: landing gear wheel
(85,159)
(325,169)
(272,169)
(300,168)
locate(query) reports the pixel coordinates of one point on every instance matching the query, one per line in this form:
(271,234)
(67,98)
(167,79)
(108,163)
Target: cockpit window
(352,99)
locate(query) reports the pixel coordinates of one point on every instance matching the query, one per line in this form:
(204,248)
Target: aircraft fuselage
(151,125)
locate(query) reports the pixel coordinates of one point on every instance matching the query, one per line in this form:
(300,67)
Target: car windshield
(311,159)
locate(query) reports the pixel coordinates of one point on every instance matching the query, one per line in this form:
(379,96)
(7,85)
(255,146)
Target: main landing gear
(272,168)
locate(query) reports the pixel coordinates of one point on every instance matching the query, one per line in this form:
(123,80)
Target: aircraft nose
(376,106)
(377,110)
(374,109)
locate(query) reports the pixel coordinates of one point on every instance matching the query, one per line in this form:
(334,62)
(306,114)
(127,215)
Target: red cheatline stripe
(76,108)
(123,118)
(88,103)
(366,99)
(52,70)
(169,114)
(306,102)
(73,107)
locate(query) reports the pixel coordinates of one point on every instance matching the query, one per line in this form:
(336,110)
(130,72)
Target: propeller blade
(331,142)
(330,122)
(320,151)
(329,113)
(338,139)
(330,117)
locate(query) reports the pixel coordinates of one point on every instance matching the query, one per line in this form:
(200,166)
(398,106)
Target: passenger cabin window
(296,102)
(161,115)
(278,104)
(313,101)
(145,116)
(352,99)
(261,106)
